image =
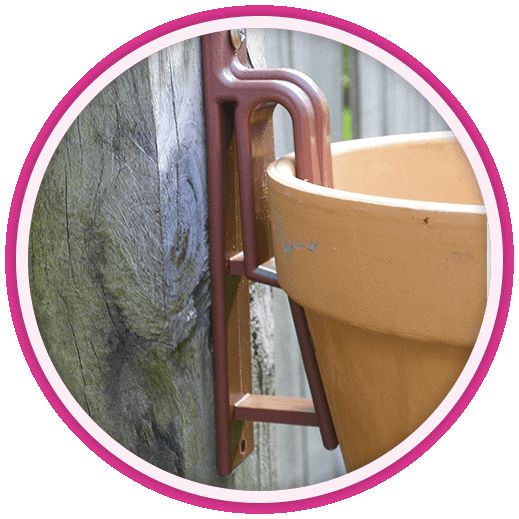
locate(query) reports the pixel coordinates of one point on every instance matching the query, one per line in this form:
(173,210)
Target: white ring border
(495,257)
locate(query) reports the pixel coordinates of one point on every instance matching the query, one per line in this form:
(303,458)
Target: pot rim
(281,171)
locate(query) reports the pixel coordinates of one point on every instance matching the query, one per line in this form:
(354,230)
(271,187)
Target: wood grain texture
(119,271)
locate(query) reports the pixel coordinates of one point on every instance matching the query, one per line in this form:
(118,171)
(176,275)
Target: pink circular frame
(235,506)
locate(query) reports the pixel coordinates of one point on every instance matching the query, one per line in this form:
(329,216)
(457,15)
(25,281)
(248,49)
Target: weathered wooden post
(119,271)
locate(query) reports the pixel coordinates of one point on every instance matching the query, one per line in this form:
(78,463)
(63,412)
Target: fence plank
(386,104)
(302,460)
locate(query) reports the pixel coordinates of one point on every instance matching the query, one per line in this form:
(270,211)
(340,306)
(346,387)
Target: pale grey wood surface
(383,103)
(302,459)
(120,275)
(319,58)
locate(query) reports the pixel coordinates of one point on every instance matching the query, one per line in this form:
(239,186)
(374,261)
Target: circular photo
(258,260)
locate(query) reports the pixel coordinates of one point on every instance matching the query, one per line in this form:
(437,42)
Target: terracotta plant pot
(391,268)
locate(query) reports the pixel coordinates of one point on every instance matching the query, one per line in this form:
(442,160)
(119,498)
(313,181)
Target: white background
(47,46)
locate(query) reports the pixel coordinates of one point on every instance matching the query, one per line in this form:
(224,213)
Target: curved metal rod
(317,98)
(300,109)
(308,127)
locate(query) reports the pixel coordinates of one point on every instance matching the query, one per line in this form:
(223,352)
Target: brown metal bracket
(239,103)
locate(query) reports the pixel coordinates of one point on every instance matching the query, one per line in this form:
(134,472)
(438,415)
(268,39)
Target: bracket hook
(239,104)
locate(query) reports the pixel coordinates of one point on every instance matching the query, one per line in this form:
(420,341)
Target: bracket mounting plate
(239,103)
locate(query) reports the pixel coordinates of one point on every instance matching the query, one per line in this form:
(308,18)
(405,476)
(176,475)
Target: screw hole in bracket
(243,446)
